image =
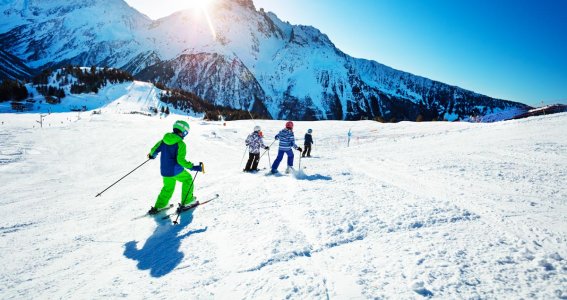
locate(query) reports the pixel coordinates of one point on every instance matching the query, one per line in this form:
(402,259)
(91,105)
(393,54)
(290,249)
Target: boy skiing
(287,141)
(173,165)
(308,141)
(254,141)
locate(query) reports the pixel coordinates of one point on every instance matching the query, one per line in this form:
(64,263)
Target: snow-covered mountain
(11,67)
(233,55)
(131,97)
(82,32)
(97,89)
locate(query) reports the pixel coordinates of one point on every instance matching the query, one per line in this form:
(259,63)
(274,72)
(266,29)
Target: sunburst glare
(205,6)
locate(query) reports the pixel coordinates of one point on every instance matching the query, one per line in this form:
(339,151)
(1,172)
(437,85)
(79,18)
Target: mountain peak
(245,3)
(235,56)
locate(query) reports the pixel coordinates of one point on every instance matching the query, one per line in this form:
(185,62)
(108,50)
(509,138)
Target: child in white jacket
(254,141)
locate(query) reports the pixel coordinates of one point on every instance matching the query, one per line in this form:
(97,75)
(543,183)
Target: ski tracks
(431,198)
(294,254)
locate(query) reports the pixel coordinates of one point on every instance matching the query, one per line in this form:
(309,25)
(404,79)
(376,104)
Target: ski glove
(299,149)
(197,168)
(151,157)
(267,148)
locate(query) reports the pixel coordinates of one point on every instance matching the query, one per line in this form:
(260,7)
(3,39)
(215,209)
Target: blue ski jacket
(172,159)
(287,139)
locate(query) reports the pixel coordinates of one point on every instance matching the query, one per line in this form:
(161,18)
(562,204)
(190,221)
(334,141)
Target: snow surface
(409,210)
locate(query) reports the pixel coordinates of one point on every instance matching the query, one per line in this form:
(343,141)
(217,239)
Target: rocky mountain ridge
(233,55)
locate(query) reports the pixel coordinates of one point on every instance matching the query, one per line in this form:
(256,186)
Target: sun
(203,7)
(202,4)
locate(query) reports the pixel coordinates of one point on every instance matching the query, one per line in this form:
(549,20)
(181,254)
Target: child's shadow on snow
(160,254)
(302,176)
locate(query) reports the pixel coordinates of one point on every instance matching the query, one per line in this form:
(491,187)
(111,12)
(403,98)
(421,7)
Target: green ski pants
(169,187)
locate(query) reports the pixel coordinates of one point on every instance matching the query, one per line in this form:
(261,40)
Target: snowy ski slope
(449,210)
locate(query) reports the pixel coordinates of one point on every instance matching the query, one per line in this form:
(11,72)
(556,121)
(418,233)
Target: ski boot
(189,205)
(289,170)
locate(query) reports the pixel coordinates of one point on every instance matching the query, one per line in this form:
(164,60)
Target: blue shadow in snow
(313,177)
(160,254)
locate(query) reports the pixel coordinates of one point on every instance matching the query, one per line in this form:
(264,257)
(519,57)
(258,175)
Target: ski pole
(190,186)
(251,117)
(243,154)
(268,149)
(269,160)
(122,178)
(300,161)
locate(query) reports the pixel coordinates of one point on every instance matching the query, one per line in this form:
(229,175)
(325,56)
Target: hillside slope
(452,210)
(84,89)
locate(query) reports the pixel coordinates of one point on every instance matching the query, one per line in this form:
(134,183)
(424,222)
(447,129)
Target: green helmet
(182,126)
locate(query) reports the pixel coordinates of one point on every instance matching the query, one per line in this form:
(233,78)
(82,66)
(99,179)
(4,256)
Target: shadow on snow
(302,176)
(160,254)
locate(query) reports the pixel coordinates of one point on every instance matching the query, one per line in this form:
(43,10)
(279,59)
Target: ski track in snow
(409,210)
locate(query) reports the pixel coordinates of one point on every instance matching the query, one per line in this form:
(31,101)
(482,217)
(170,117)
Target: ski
(290,172)
(180,209)
(276,174)
(148,213)
(160,210)
(254,171)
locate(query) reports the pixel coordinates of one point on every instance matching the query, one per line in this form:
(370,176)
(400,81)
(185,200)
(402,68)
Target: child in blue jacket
(287,141)
(173,165)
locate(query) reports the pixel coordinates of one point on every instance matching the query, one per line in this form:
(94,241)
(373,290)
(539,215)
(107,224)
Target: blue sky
(515,50)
